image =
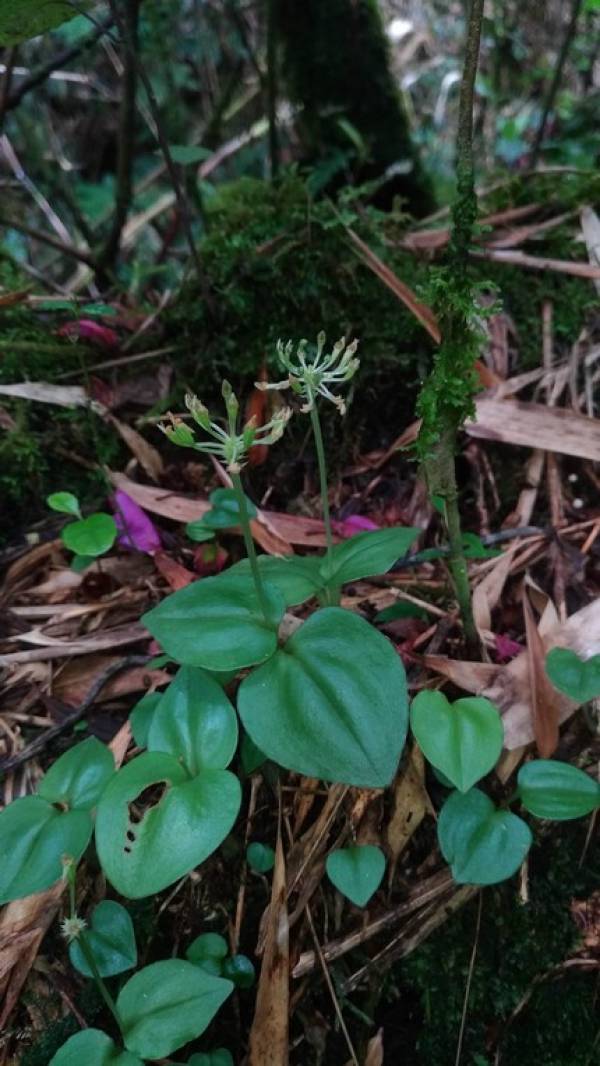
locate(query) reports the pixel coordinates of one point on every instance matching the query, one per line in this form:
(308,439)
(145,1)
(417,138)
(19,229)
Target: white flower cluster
(314,376)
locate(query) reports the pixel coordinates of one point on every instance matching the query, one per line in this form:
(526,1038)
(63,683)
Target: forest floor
(529,475)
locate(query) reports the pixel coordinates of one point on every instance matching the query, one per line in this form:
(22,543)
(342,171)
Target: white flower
(310,376)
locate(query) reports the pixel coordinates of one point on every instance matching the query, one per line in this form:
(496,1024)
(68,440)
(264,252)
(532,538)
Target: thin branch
(271,87)
(11,58)
(47,238)
(56,62)
(555,82)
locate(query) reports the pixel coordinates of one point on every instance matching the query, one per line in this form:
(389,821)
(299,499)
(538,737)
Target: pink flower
(136,530)
(356,523)
(89,330)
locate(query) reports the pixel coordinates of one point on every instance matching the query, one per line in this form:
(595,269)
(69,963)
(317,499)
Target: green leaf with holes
(144,848)
(367,554)
(80,776)
(462,739)
(579,679)
(331,702)
(483,845)
(297,577)
(93,1048)
(195,722)
(217,623)
(22,19)
(111,940)
(166,1005)
(556,790)
(356,872)
(35,836)
(91,536)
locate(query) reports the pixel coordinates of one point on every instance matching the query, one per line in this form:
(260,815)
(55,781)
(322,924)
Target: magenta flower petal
(136,530)
(89,330)
(355,523)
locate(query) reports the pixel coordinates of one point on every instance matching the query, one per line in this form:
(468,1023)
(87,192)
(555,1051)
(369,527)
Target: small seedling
(88,537)
(356,872)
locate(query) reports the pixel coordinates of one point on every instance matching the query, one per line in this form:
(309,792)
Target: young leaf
(35,837)
(80,776)
(401,609)
(240,970)
(199,532)
(462,739)
(331,703)
(92,1048)
(65,502)
(142,852)
(225,512)
(208,951)
(217,623)
(297,577)
(482,845)
(195,722)
(556,790)
(90,536)
(579,679)
(367,554)
(111,940)
(166,1005)
(260,857)
(23,19)
(356,872)
(251,756)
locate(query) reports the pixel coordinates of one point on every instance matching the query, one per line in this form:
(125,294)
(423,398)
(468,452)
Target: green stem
(249,542)
(103,990)
(333,593)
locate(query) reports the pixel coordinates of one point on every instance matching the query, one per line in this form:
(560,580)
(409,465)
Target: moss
(336,66)
(517,944)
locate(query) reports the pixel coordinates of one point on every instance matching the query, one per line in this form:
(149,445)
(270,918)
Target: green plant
(356,872)
(482,843)
(579,679)
(88,537)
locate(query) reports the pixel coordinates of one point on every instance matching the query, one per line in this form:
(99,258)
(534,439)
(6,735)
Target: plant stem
(250,549)
(555,82)
(103,990)
(332,593)
(456,561)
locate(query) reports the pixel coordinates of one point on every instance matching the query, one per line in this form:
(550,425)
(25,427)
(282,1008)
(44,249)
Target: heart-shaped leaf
(462,739)
(199,532)
(195,722)
(482,845)
(208,952)
(297,577)
(90,536)
(366,554)
(331,703)
(111,940)
(217,623)
(22,19)
(579,679)
(356,872)
(556,790)
(141,852)
(93,1048)
(260,857)
(35,836)
(80,776)
(166,1005)
(65,502)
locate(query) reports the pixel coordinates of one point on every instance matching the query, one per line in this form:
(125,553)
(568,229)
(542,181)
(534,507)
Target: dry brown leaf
(56,649)
(534,425)
(269,1033)
(486,594)
(543,697)
(421,312)
(145,453)
(410,804)
(508,686)
(176,575)
(73,682)
(57,395)
(374,1056)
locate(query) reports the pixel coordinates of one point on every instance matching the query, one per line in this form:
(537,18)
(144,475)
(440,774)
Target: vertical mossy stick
(446,398)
